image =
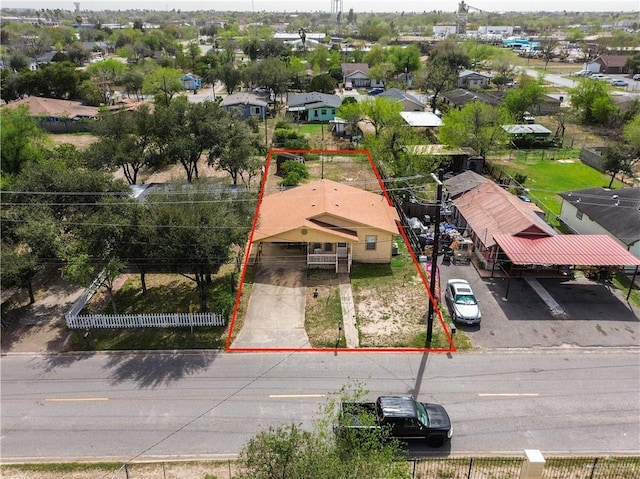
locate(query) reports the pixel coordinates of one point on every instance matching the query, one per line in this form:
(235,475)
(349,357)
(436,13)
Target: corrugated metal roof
(421,118)
(490,210)
(580,250)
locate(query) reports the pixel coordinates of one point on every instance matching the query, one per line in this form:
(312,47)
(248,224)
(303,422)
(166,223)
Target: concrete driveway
(275,313)
(597,315)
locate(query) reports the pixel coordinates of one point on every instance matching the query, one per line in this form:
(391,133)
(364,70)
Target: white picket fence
(154,320)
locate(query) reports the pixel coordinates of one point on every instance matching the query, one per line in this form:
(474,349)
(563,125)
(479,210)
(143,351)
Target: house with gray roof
(314,106)
(471,79)
(604,211)
(246,105)
(409,101)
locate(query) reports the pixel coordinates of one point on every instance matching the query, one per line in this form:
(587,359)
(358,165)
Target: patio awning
(570,250)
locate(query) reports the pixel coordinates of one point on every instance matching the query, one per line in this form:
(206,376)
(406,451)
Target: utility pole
(434,257)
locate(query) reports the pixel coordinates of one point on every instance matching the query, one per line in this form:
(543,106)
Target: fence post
(593,468)
(470,468)
(533,465)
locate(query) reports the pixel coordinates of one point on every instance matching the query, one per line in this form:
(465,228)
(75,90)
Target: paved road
(205,405)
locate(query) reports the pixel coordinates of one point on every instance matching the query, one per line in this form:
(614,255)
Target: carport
(522,256)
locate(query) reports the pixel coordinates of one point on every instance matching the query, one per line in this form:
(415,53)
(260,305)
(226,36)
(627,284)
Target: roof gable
(314,100)
(490,210)
(40,106)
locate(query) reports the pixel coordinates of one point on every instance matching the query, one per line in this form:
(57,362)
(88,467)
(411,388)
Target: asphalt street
(127,407)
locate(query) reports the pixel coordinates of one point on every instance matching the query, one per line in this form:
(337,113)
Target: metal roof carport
(567,250)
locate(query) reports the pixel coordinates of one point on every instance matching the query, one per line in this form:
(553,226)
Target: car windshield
(423,417)
(465,299)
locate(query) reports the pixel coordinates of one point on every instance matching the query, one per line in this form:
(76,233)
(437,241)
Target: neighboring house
(604,211)
(409,101)
(44,59)
(58,116)
(421,119)
(191,82)
(357,74)
(471,79)
(528,135)
(246,104)
(460,97)
(460,184)
(334,223)
(488,210)
(314,106)
(613,64)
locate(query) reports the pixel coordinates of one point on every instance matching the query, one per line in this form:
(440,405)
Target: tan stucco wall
(382,253)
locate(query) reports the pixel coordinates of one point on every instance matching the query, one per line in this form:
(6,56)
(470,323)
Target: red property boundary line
(417,264)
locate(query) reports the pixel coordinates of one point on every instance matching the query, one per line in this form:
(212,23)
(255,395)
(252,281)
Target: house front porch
(323,255)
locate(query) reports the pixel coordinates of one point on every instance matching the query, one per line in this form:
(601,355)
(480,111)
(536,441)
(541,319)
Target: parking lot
(597,315)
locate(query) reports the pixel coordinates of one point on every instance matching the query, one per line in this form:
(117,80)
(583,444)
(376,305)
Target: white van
(348,85)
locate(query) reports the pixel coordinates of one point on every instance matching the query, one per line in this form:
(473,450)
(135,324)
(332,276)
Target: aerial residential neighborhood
(323,243)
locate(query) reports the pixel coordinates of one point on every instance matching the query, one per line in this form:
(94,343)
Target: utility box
(533,465)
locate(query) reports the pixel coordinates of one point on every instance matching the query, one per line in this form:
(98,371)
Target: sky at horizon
(326,5)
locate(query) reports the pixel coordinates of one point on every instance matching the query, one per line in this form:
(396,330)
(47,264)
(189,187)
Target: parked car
(375,91)
(462,303)
(581,73)
(348,85)
(619,83)
(636,77)
(601,77)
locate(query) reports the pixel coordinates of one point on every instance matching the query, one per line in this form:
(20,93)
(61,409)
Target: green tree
(381,113)
(127,140)
(236,146)
(22,140)
(526,97)
(631,133)
(353,113)
(196,237)
(294,173)
(230,76)
(163,84)
(591,101)
(326,452)
(477,125)
(322,83)
(439,76)
(19,267)
(106,74)
(619,158)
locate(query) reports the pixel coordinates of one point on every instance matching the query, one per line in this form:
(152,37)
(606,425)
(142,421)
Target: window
(323,112)
(579,215)
(315,113)
(328,247)
(257,110)
(371,242)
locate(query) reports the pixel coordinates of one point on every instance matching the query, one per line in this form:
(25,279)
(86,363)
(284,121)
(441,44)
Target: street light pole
(434,257)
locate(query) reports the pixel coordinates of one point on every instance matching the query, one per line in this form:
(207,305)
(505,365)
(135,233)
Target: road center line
(74,399)
(279,396)
(508,394)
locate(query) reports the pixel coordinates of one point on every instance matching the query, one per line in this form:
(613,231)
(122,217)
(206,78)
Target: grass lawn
(545,179)
(165,293)
(323,313)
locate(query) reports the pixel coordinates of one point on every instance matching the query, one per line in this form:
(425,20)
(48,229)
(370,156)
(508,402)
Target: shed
(282,157)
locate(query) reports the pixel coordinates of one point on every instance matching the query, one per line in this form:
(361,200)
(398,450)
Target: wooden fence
(156,320)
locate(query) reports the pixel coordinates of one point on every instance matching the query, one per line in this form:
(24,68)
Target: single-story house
(527,135)
(604,211)
(612,64)
(357,74)
(246,104)
(191,82)
(489,210)
(409,101)
(471,79)
(333,223)
(58,116)
(460,97)
(314,106)
(421,119)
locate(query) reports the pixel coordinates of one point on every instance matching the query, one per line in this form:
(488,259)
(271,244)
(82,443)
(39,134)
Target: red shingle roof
(580,250)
